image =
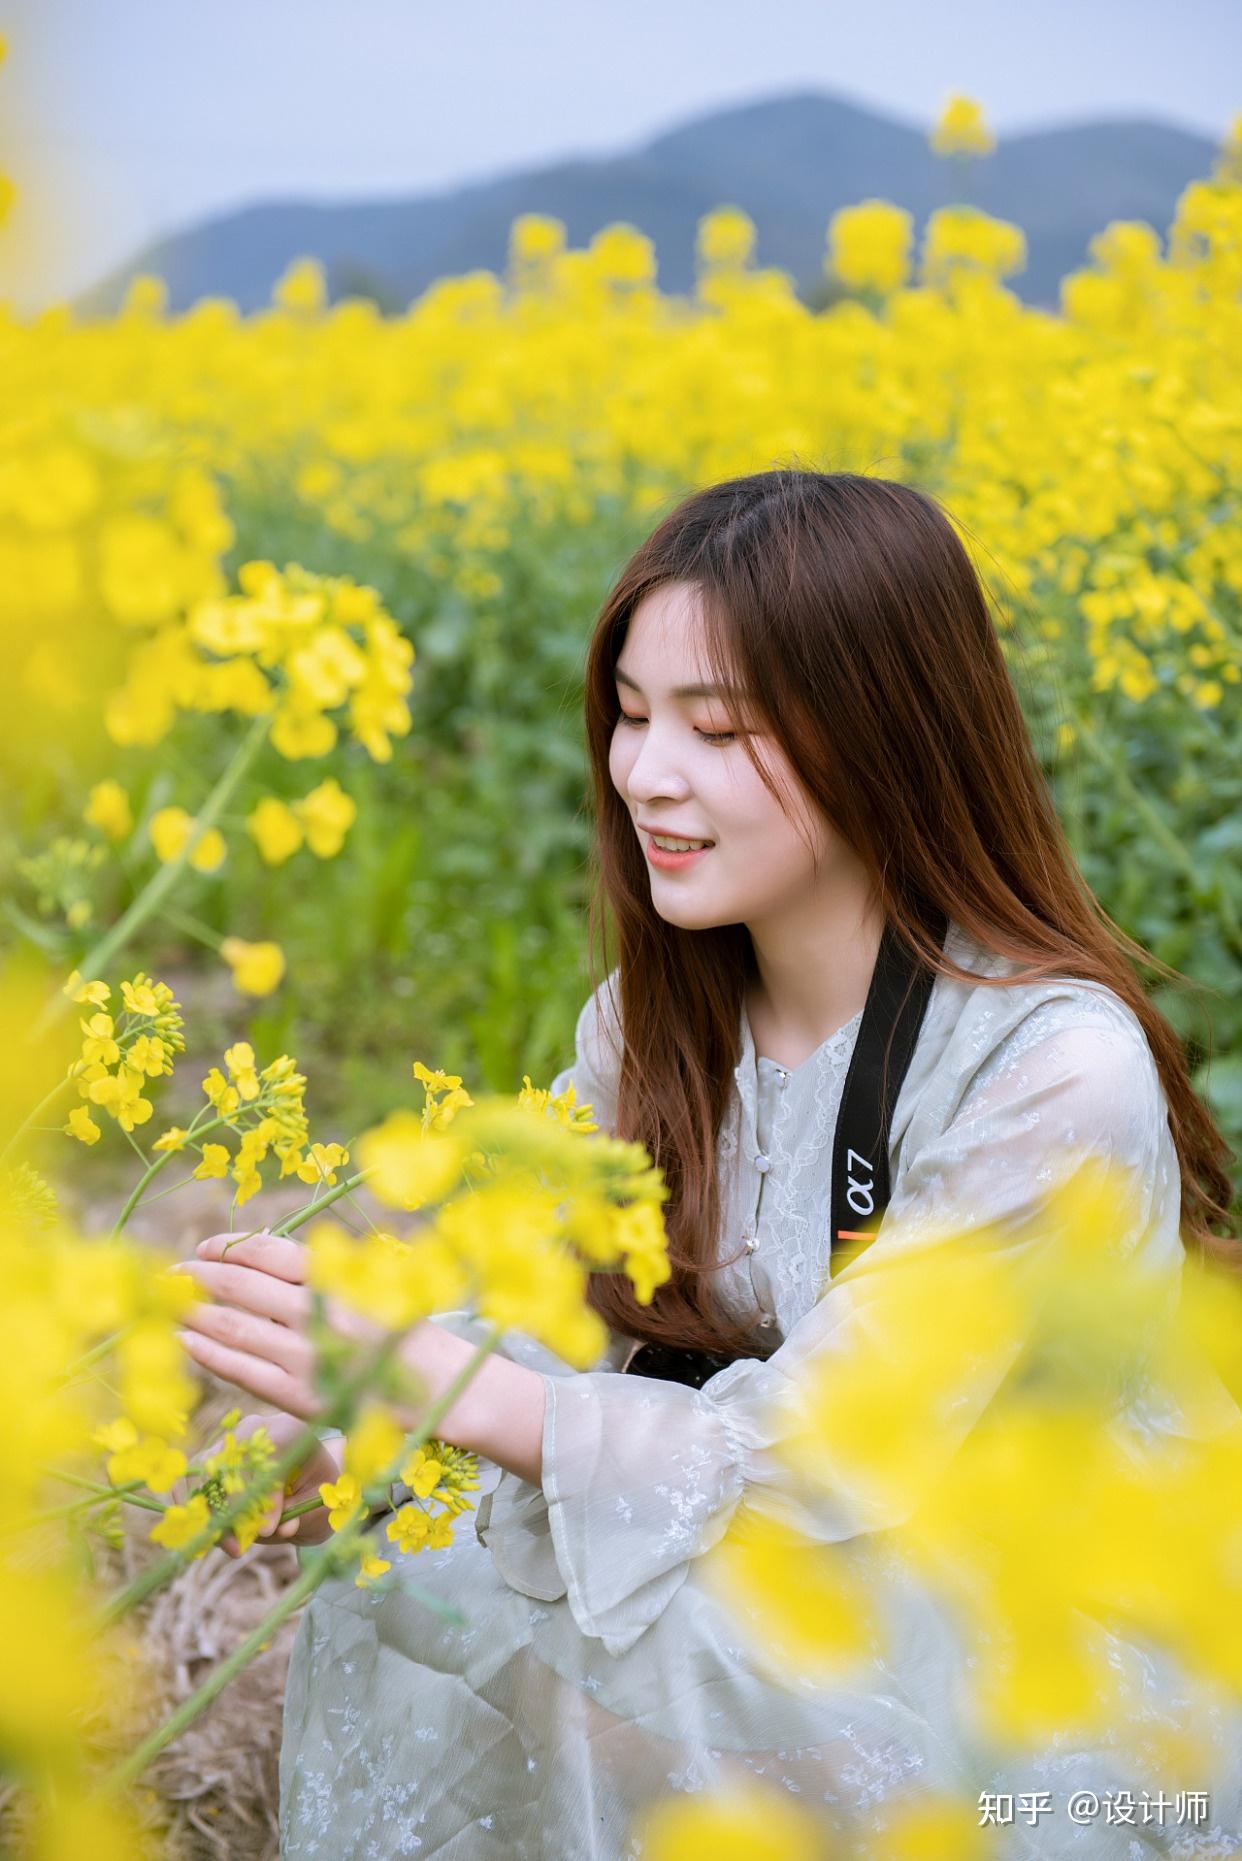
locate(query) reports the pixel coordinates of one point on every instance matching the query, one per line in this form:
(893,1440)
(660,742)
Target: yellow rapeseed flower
(301,287)
(409,1529)
(151,1460)
(726,238)
(370,1566)
(744,1822)
(257,967)
(170,828)
(275,830)
(869,246)
(181,1524)
(343,1499)
(325,815)
(239,1058)
(215,1162)
(108,809)
(961,129)
(422,1473)
(373,1443)
(407,1166)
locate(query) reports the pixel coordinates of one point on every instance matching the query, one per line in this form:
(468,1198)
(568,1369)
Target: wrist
(499,1414)
(435,1358)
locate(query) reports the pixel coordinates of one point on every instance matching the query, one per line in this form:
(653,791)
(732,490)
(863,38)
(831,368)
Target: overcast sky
(123,118)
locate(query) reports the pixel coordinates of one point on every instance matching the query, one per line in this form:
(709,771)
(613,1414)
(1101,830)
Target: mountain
(789,161)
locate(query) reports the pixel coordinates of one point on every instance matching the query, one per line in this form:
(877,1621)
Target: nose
(653,774)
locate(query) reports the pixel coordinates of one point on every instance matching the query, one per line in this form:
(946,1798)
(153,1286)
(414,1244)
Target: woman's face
(676,779)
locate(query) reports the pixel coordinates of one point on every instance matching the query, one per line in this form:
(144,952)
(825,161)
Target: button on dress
(595,1671)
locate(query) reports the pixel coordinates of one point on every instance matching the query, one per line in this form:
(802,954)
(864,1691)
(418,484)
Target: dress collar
(747,1069)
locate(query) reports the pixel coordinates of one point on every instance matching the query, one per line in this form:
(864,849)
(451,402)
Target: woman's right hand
(321,1466)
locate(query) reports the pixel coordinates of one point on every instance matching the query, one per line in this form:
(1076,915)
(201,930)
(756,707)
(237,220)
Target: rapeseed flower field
(292,609)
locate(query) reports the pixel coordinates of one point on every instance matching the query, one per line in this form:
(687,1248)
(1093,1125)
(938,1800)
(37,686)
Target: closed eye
(708,736)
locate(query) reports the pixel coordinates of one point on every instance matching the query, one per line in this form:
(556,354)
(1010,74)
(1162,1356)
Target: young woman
(796,672)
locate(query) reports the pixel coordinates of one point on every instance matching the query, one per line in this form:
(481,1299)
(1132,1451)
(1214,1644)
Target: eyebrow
(683,691)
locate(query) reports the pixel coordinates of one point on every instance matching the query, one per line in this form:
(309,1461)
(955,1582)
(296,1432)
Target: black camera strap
(896,1004)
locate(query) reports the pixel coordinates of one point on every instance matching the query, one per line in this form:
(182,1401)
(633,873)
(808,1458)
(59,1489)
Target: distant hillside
(790,161)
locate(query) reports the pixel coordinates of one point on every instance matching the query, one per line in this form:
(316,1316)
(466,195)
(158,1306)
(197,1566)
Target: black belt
(897,1001)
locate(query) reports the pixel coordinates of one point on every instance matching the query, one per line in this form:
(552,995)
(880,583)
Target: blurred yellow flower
(869,246)
(409,1529)
(370,1566)
(170,828)
(391,1281)
(726,238)
(962,239)
(806,1608)
(151,1460)
(275,830)
(257,967)
(108,809)
(535,236)
(961,130)
(372,1445)
(742,1823)
(325,815)
(301,287)
(928,1828)
(180,1524)
(408,1166)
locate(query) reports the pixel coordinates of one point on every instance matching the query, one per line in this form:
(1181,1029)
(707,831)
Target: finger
(276,1505)
(261,1337)
(258,1376)
(271,1253)
(255,1290)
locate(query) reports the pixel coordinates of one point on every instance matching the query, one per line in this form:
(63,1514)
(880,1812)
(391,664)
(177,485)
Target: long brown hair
(850,610)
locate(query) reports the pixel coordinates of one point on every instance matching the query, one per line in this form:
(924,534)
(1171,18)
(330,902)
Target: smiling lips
(670,861)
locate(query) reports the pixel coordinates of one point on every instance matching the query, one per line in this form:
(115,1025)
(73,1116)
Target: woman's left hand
(252,1329)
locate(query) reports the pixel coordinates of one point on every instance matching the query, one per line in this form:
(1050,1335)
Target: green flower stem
(133,1766)
(317,1204)
(44,1102)
(93,1355)
(161,882)
(193,927)
(95,1486)
(86,1505)
(335,1554)
(165,1157)
(99,1494)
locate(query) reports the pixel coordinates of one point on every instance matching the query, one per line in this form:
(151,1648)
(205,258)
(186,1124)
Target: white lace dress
(596,1673)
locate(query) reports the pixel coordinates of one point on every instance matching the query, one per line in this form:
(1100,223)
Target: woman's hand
(322,1466)
(251,1330)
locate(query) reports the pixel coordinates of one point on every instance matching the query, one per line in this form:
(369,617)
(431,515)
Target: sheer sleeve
(642,1476)
(596,1067)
